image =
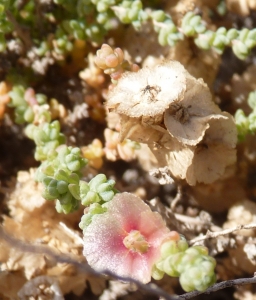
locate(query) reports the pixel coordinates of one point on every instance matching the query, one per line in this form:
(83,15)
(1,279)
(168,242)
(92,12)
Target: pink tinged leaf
(119,53)
(111,61)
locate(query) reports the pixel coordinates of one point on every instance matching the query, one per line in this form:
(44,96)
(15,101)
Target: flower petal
(153,227)
(127,209)
(103,243)
(103,239)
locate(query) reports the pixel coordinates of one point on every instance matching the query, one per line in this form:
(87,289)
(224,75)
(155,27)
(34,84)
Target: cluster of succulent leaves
(192,25)
(90,20)
(23,109)
(64,21)
(61,174)
(241,41)
(193,265)
(60,171)
(246,124)
(61,165)
(95,195)
(62,182)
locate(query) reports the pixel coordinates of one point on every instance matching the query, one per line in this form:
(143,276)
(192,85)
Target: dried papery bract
(132,129)
(188,118)
(176,156)
(222,129)
(198,93)
(216,152)
(149,92)
(191,132)
(206,161)
(141,98)
(209,163)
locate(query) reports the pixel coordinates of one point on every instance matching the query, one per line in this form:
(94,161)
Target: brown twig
(211,234)
(220,286)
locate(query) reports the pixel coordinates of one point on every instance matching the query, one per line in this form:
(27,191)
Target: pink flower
(126,239)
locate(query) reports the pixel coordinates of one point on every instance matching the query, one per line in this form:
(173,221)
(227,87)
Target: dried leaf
(44,287)
(243,212)
(37,221)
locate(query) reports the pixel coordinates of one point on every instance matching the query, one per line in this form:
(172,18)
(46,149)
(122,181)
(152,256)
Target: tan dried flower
(131,128)
(173,113)
(149,92)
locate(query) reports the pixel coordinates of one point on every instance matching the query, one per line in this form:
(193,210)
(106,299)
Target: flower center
(136,242)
